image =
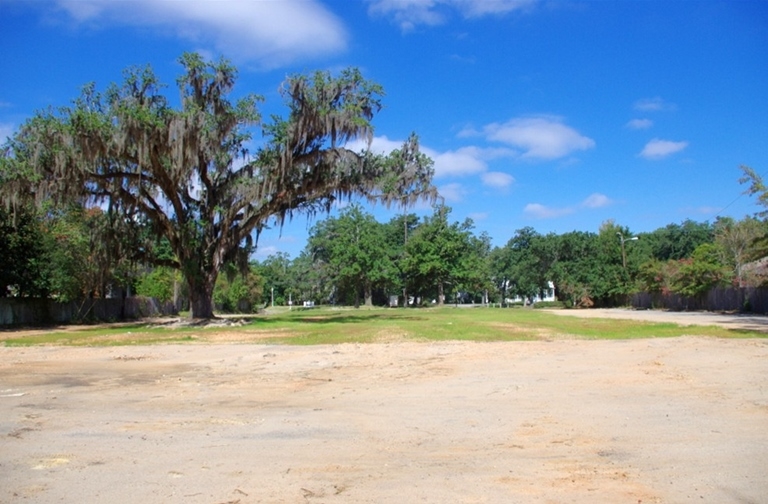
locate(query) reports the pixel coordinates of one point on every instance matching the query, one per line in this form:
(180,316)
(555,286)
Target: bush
(549,304)
(158,284)
(236,293)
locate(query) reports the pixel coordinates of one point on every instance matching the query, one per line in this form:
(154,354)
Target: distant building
(547,294)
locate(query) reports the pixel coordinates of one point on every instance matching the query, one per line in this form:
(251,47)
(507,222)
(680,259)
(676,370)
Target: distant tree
(499,272)
(75,260)
(439,255)
(477,283)
(310,278)
(739,242)
(577,269)
(756,187)
(613,282)
(159,283)
(396,233)
(700,273)
(237,291)
(22,253)
(353,248)
(276,275)
(188,174)
(524,270)
(675,241)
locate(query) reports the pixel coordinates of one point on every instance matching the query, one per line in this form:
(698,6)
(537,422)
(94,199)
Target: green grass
(118,335)
(329,326)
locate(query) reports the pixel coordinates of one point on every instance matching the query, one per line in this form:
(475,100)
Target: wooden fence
(37,311)
(746,299)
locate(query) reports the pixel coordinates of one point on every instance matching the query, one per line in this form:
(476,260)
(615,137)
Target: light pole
(623,252)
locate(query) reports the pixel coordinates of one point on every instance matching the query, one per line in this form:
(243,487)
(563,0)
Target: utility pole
(405,242)
(623,251)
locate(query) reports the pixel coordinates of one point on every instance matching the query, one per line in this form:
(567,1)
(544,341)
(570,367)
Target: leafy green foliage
(276,274)
(700,273)
(738,243)
(577,268)
(441,255)
(675,241)
(187,174)
(58,253)
(529,257)
(236,292)
(350,247)
(160,283)
(756,187)
(22,253)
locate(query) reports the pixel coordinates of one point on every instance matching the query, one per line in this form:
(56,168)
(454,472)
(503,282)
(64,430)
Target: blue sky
(555,115)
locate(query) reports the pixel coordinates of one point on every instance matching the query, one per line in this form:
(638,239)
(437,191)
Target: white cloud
(657,149)
(497,179)
(265,251)
(655,104)
(478,8)
(596,200)
(452,193)
(410,13)
(461,162)
(379,145)
(540,137)
(639,124)
(478,216)
(469,131)
(539,211)
(465,160)
(270,34)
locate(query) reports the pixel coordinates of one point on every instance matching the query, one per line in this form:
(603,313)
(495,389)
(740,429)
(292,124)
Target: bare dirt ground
(678,420)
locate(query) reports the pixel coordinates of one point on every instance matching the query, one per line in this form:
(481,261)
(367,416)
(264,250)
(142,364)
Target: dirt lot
(669,420)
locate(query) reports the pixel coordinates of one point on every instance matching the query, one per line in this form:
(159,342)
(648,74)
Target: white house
(547,295)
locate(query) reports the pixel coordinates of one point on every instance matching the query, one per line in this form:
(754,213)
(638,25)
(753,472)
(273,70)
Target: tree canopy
(350,246)
(192,175)
(440,255)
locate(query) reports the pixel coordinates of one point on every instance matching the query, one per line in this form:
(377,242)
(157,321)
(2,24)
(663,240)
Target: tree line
(122,193)
(353,260)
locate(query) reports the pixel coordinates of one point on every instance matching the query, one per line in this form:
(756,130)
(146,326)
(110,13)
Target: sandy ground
(677,420)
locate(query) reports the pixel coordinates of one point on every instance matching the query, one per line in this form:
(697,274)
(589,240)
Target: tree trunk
(201,295)
(440,294)
(368,295)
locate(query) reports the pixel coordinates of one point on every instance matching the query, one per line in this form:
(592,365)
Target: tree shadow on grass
(347,318)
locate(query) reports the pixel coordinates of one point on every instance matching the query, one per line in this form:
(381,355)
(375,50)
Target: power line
(718,214)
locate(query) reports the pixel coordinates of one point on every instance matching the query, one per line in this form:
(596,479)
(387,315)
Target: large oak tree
(192,175)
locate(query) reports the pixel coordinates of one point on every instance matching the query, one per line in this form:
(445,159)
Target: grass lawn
(328,326)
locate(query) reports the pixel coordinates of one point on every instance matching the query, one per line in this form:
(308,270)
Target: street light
(623,252)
